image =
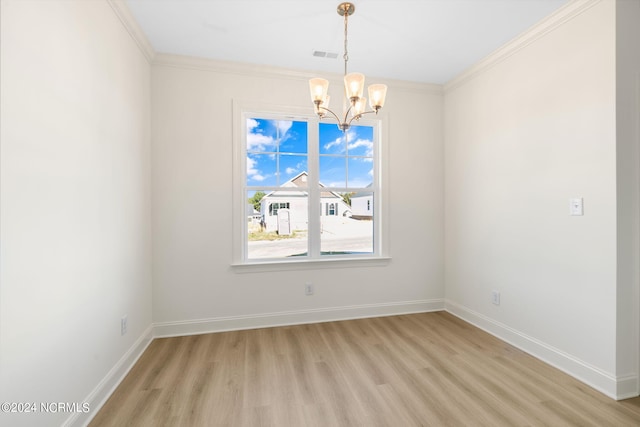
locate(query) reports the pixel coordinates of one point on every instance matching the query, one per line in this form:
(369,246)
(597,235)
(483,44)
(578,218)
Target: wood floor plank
(429,369)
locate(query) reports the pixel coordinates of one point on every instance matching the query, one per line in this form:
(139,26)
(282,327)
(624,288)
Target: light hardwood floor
(428,369)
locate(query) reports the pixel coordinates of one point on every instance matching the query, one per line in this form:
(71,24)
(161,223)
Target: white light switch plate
(576,206)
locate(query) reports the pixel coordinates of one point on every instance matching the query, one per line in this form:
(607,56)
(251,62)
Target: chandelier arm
(358,116)
(330,112)
(346,115)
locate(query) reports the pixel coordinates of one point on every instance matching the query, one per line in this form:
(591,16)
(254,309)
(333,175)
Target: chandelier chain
(346,51)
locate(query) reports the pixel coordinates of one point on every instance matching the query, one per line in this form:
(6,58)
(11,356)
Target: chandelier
(353,86)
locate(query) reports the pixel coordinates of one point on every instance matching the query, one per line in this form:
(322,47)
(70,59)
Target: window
(305,178)
(273,207)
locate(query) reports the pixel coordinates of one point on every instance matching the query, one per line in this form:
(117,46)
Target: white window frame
(243,110)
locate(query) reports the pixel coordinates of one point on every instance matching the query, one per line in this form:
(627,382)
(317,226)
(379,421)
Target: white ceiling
(428,41)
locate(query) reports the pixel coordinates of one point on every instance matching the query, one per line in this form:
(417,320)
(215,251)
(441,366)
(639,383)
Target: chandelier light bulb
(359,107)
(377,95)
(319,88)
(354,83)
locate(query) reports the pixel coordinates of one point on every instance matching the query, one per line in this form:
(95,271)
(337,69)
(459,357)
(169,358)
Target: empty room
(315,213)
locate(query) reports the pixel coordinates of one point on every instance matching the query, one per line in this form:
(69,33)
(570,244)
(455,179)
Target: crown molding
(547,25)
(123,13)
(255,70)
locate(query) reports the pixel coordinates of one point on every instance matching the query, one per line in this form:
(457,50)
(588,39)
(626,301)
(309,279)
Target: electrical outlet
(123,325)
(495,297)
(308,289)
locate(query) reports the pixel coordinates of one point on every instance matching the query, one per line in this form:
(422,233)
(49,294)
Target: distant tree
(255,200)
(347,197)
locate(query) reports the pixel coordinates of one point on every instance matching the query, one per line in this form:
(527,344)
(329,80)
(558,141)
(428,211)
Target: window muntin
(300,165)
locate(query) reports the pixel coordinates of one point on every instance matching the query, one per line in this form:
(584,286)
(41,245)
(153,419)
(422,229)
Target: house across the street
(293,202)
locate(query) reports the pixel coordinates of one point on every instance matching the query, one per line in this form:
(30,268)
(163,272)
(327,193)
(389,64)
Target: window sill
(307,264)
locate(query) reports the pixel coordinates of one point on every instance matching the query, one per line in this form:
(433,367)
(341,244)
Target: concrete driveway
(338,235)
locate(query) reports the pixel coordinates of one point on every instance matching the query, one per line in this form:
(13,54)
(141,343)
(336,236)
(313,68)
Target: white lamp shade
(325,102)
(359,107)
(319,88)
(354,85)
(377,95)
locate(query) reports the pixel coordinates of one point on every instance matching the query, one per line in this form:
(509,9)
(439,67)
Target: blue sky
(276,152)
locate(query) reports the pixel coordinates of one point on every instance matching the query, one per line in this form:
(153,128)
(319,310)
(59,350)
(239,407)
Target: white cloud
(292,170)
(254,173)
(333,144)
(251,124)
(284,126)
(257,141)
(251,166)
(353,143)
(367,143)
(340,140)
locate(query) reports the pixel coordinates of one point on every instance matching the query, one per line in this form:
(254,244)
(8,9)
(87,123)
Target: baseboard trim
(627,387)
(604,382)
(112,380)
(297,317)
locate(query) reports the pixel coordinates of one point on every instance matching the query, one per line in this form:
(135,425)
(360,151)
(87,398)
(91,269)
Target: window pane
(360,141)
(333,171)
(351,230)
(293,137)
(360,172)
(261,169)
(291,166)
(276,224)
(332,140)
(261,135)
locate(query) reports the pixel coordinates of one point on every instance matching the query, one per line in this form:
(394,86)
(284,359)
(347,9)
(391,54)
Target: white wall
(75,250)
(628,193)
(195,287)
(524,133)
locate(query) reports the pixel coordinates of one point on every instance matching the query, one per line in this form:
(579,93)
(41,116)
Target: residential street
(338,235)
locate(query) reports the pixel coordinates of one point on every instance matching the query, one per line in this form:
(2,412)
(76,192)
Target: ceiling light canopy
(353,86)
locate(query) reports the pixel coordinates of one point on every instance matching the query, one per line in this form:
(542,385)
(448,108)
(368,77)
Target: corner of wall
(123,12)
(101,393)
(604,382)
